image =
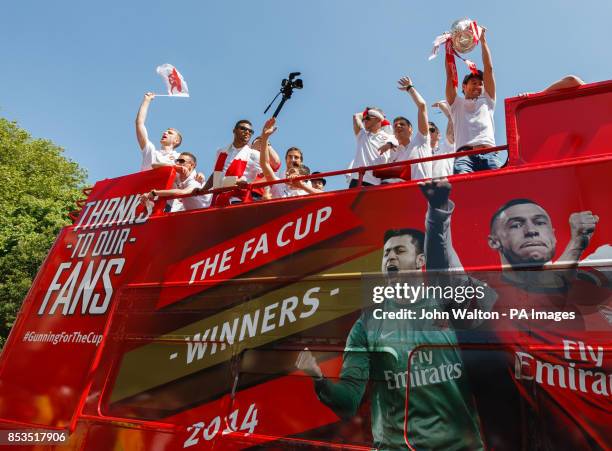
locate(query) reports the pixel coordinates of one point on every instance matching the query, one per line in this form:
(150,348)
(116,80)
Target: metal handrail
(359,170)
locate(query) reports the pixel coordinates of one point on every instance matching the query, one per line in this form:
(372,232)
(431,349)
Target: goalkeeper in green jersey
(414,365)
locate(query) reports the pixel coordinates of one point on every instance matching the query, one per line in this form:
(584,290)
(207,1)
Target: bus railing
(359,170)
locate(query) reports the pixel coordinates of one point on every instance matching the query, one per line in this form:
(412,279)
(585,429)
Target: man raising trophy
(472,114)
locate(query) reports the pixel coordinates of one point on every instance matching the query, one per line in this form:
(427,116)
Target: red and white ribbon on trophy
(462,38)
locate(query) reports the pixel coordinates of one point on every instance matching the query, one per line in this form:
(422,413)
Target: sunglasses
(432,130)
(245,129)
(182,161)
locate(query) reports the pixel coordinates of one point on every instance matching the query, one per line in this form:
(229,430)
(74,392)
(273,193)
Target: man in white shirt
(170,140)
(294,157)
(411,147)
(473,115)
(260,193)
(235,165)
(185,184)
(281,190)
(228,172)
(442,168)
(368,128)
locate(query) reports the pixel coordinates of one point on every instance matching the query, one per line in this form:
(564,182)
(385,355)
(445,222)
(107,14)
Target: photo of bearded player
(396,355)
(558,395)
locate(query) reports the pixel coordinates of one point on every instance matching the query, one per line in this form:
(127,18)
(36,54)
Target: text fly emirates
(568,376)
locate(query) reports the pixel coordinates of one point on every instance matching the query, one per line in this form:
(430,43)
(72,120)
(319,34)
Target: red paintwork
(116,396)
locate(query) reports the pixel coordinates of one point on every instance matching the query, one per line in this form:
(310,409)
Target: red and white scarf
(235,170)
(233,173)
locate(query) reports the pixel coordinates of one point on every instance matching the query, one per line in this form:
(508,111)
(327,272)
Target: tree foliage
(39,187)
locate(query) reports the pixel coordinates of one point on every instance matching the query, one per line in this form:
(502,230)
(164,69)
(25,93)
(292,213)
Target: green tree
(39,187)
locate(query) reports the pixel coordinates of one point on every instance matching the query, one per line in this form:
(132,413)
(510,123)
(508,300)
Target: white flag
(175,83)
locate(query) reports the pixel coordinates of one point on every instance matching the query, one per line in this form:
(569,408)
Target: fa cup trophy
(464,35)
(462,38)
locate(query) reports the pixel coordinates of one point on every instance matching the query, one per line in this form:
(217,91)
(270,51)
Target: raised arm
(450,131)
(141,117)
(567,82)
(357,122)
(582,227)
(451,90)
(264,153)
(405,84)
(439,252)
(487,75)
(440,255)
(274,158)
(570,81)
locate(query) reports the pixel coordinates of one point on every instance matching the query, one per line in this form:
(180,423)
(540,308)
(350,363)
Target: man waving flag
(175,83)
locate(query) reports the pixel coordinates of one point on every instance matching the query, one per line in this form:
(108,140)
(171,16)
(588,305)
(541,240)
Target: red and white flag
(175,83)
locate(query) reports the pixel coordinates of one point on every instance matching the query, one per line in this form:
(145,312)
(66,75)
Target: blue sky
(75,72)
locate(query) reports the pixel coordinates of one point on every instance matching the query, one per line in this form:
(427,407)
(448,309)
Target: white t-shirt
(367,152)
(281,190)
(418,147)
(193,202)
(151,155)
(473,121)
(443,168)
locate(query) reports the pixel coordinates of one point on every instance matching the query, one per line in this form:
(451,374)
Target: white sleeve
(423,150)
(457,104)
(390,156)
(444,168)
(393,140)
(148,148)
(193,183)
(193,202)
(148,153)
(161,159)
(490,101)
(253,168)
(419,140)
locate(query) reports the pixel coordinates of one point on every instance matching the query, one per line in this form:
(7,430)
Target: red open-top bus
(147,330)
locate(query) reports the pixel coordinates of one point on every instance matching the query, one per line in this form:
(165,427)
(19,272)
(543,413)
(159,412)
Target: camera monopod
(287,87)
